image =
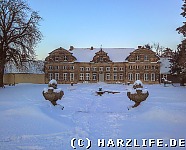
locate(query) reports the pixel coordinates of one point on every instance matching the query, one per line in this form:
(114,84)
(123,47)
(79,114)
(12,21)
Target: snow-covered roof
(165,65)
(115,54)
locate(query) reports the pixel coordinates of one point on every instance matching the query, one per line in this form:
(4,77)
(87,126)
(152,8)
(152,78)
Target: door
(101,77)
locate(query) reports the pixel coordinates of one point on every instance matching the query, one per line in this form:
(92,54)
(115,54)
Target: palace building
(109,65)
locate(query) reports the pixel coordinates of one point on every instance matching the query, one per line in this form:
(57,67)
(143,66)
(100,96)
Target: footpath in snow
(29,122)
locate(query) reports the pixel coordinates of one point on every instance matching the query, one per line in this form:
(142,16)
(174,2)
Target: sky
(110,23)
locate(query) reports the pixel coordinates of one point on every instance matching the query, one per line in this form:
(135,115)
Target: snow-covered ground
(29,122)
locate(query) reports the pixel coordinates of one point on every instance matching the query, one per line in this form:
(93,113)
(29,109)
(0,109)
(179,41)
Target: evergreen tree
(179,59)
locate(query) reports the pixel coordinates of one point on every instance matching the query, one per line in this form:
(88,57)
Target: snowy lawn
(29,122)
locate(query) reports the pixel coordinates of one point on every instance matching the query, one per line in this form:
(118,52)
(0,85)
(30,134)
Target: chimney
(71,48)
(139,47)
(91,48)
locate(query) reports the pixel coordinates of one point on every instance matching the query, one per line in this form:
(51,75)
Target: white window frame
(121,68)
(137,76)
(87,68)
(100,68)
(71,76)
(94,76)
(56,58)
(56,76)
(71,67)
(115,68)
(130,76)
(87,76)
(81,76)
(64,67)
(130,67)
(121,76)
(146,77)
(137,57)
(57,67)
(81,68)
(65,58)
(115,76)
(50,76)
(65,76)
(50,67)
(107,76)
(94,69)
(153,76)
(146,67)
(107,68)
(146,57)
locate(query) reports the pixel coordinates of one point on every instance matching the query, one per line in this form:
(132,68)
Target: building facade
(110,65)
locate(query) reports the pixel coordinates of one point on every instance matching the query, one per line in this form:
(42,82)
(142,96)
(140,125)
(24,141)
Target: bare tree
(156,47)
(19,32)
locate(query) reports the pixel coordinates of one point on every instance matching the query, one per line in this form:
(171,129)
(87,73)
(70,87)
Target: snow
(165,65)
(138,82)
(53,81)
(115,54)
(28,121)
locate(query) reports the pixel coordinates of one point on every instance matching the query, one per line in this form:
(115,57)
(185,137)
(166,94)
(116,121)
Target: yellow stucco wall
(24,78)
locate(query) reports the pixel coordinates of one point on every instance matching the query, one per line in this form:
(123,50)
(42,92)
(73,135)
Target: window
(71,76)
(87,68)
(81,68)
(94,69)
(87,76)
(152,76)
(115,69)
(108,76)
(146,77)
(146,67)
(101,58)
(100,68)
(81,76)
(153,67)
(65,76)
(130,67)
(56,76)
(94,76)
(107,68)
(146,57)
(50,67)
(130,76)
(50,76)
(71,67)
(121,68)
(65,58)
(137,57)
(137,76)
(115,76)
(121,76)
(64,67)
(56,58)
(137,67)
(57,67)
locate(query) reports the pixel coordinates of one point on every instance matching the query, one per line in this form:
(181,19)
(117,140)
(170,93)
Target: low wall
(14,78)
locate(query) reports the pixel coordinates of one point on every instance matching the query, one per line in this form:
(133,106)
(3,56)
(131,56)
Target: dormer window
(146,57)
(56,58)
(137,57)
(65,58)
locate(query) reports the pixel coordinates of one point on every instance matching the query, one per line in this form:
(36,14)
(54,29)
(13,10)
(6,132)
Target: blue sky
(110,23)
